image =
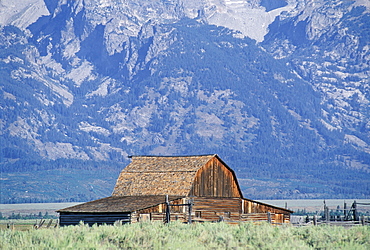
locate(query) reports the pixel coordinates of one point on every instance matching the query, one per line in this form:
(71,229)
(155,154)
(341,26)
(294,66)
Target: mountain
(279,89)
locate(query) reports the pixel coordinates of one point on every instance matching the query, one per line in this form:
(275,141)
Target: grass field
(18,225)
(24,225)
(182,236)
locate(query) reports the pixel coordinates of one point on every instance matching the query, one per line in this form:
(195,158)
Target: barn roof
(119,204)
(160,175)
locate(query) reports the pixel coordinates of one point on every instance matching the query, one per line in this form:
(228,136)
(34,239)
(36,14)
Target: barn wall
(233,210)
(213,209)
(158,212)
(215,180)
(203,209)
(217,204)
(249,206)
(161,208)
(66,219)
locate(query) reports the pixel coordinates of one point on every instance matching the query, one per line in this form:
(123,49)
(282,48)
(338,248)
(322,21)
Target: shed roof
(118,204)
(160,175)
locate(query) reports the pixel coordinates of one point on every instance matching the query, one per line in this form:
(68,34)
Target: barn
(167,188)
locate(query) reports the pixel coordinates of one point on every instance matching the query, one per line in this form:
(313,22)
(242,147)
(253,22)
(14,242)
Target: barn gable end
(215,179)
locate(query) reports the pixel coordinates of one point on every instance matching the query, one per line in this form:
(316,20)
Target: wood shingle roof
(153,175)
(118,204)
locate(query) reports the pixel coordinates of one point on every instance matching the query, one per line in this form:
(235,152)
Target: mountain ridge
(91,82)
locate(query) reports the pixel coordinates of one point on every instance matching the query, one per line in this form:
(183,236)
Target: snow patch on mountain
(102,89)
(9,96)
(59,89)
(62,150)
(245,16)
(85,126)
(365,3)
(21,13)
(69,40)
(358,142)
(21,128)
(82,73)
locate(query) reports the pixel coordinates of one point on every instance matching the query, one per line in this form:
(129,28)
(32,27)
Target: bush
(182,236)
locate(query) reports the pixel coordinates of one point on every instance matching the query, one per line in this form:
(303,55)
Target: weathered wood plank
(215,179)
(91,219)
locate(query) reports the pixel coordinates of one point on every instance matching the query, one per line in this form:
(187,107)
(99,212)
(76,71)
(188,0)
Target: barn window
(198,214)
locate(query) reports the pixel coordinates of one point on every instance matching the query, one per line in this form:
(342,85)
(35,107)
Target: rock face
(279,89)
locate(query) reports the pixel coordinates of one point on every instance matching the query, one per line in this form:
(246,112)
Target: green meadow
(183,236)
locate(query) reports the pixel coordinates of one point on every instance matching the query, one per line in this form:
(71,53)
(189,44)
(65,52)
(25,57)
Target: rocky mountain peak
(279,89)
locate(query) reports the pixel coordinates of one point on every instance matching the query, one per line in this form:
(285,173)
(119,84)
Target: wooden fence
(315,221)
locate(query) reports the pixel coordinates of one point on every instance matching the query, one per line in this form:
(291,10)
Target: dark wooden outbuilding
(205,182)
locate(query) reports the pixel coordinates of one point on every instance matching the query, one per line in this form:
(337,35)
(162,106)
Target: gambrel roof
(176,176)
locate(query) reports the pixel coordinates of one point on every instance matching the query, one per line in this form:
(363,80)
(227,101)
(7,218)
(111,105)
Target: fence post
(363,220)
(190,205)
(307,219)
(168,215)
(314,220)
(269,217)
(327,216)
(49,224)
(355,213)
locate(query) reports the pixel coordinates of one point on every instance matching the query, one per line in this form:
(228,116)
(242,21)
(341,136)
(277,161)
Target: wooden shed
(186,188)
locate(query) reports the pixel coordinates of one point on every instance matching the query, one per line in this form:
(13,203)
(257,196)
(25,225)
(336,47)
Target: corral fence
(348,216)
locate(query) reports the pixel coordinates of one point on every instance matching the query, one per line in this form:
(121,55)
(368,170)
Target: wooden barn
(185,188)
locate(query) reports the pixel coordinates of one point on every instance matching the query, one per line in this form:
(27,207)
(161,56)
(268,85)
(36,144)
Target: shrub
(182,236)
